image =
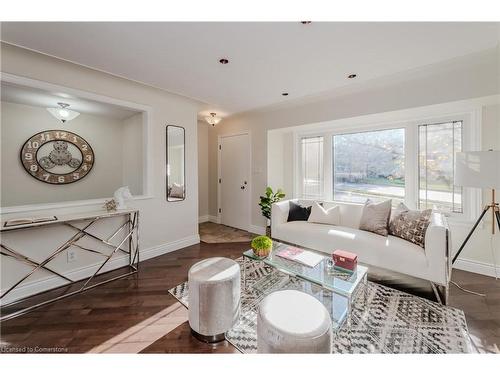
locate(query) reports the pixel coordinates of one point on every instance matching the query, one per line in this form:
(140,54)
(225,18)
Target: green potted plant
(262,246)
(266,201)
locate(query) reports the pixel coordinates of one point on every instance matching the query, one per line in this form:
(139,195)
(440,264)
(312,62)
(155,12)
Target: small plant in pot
(262,246)
(266,201)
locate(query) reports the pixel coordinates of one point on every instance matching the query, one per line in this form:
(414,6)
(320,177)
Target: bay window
(369,165)
(407,161)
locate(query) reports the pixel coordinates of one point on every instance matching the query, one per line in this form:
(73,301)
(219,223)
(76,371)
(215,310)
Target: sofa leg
(446,294)
(436,293)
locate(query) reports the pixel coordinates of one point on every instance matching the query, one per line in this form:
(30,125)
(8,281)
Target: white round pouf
(214,298)
(290,321)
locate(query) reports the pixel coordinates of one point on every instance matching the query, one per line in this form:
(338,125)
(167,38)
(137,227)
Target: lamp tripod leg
(470,234)
(463,245)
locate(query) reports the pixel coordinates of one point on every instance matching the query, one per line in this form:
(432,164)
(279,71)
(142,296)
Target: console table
(128,244)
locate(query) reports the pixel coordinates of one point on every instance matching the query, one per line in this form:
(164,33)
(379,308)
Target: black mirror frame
(166,163)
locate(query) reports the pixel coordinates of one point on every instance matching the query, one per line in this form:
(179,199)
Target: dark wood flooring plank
(104,316)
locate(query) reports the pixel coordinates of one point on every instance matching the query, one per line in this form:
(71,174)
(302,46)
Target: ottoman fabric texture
(214,296)
(290,321)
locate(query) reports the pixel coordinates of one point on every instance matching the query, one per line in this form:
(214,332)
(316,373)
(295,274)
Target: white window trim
(469,111)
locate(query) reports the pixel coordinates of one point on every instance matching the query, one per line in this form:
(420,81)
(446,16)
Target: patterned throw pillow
(410,225)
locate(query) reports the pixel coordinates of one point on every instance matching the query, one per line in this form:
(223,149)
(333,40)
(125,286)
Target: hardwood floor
(136,314)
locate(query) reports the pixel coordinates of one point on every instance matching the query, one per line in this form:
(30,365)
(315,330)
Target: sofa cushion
(350,214)
(410,225)
(386,252)
(321,215)
(376,217)
(298,213)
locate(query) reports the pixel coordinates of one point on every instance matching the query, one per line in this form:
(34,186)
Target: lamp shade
(479,169)
(213,119)
(63,113)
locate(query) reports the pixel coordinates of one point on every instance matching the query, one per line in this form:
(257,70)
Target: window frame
(418,163)
(299,184)
(409,120)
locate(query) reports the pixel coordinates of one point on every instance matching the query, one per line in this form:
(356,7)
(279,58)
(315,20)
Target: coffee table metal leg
(365,282)
(349,320)
(244,273)
(349,312)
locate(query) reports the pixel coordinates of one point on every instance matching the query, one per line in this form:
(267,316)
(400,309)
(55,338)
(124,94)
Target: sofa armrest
(437,248)
(279,213)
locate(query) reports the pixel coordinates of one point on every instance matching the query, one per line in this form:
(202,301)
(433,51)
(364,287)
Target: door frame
(219,174)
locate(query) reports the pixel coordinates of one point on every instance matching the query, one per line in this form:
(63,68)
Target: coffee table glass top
(329,278)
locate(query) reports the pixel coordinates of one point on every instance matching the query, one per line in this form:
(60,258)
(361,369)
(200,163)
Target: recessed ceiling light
(350,76)
(223,61)
(284,93)
(305,22)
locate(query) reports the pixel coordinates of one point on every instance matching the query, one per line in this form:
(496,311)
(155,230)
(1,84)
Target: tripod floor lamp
(479,169)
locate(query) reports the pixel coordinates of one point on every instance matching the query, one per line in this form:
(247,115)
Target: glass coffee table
(342,284)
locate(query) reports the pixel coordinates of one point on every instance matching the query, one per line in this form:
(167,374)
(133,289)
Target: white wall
(104,134)
(463,78)
(164,226)
(132,147)
(203,170)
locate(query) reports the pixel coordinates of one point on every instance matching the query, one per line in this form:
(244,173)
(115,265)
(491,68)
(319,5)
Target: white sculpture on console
(120,196)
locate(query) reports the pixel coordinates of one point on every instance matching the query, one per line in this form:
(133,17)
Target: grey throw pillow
(410,225)
(375,217)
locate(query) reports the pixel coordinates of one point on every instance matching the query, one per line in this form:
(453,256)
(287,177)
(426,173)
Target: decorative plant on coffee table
(262,246)
(266,201)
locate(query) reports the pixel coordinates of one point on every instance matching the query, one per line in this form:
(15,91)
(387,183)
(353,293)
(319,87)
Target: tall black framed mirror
(176,165)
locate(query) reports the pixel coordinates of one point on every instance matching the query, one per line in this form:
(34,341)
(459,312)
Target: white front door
(234,181)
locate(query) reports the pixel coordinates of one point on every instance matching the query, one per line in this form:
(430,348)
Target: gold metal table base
(131,240)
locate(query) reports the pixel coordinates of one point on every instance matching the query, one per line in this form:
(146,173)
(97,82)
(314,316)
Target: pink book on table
(289,252)
(302,256)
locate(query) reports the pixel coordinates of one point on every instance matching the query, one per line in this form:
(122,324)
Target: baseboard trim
(203,218)
(51,282)
(475,266)
(257,230)
(214,219)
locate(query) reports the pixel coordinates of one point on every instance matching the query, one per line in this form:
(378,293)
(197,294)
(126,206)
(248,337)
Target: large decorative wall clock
(57,157)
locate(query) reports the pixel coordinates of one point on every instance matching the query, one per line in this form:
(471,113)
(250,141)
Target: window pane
(312,167)
(437,146)
(369,165)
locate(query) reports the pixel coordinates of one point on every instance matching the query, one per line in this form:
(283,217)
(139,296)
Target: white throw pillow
(321,216)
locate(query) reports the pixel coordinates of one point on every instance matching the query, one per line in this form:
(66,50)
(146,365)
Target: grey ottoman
(214,298)
(290,321)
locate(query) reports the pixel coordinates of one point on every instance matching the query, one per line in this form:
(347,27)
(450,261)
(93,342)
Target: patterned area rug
(393,322)
(217,233)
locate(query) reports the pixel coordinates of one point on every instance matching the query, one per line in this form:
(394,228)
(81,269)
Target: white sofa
(392,253)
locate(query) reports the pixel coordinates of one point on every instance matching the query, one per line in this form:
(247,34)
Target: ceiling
(265,59)
(40,98)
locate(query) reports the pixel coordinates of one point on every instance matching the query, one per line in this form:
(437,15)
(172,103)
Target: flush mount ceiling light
(213,119)
(223,61)
(351,76)
(63,113)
